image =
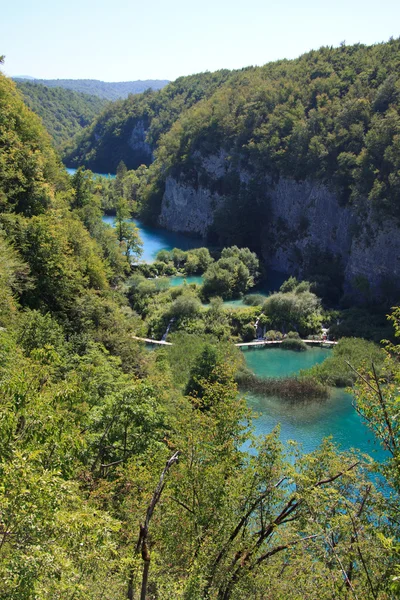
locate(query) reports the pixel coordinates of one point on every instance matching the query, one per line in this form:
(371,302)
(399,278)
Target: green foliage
(107,141)
(29,166)
(299,309)
(377,401)
(232,275)
(185,306)
(127,231)
(14,278)
(336,371)
(273,335)
(331,115)
(192,262)
(88,420)
(361,322)
(64,113)
(293,344)
(254,300)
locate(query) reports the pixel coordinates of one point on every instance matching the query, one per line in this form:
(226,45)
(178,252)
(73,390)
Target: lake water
(106,175)
(178,280)
(308,423)
(155,239)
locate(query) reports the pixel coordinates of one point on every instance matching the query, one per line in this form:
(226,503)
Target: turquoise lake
(155,239)
(307,423)
(106,175)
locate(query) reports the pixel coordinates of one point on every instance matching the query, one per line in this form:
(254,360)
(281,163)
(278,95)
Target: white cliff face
(137,141)
(375,255)
(191,209)
(301,214)
(187,209)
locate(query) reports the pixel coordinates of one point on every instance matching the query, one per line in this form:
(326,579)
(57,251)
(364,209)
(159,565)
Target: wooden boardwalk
(149,341)
(271,342)
(256,343)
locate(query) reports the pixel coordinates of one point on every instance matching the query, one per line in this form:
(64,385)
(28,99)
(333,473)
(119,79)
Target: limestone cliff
(301,215)
(137,142)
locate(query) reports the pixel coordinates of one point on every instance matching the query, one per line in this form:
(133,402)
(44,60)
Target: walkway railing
(270,342)
(241,344)
(150,341)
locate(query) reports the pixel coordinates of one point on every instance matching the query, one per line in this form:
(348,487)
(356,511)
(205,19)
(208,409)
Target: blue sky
(126,39)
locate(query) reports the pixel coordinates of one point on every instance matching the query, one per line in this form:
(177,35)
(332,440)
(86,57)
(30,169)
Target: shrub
(274,335)
(335,370)
(294,344)
(254,300)
(292,335)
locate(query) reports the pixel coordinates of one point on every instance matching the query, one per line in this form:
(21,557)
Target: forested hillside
(295,159)
(127,472)
(64,113)
(129,130)
(104,89)
(331,115)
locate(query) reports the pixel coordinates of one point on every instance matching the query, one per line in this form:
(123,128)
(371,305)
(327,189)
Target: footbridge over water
(256,343)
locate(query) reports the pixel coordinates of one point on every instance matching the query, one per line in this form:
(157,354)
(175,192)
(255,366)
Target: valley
(225,211)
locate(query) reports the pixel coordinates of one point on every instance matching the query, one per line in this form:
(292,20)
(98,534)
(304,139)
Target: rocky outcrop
(308,214)
(302,215)
(186,208)
(138,142)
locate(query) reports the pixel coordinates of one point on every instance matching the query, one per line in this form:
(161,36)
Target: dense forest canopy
(64,113)
(125,472)
(102,89)
(330,115)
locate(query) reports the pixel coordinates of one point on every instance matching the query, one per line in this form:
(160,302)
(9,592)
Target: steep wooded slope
(332,115)
(129,129)
(64,113)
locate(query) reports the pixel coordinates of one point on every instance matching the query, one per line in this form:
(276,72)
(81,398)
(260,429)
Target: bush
(248,332)
(300,310)
(185,306)
(254,300)
(273,335)
(293,335)
(335,370)
(294,344)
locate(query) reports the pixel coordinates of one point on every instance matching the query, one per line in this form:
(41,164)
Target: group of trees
(108,90)
(64,112)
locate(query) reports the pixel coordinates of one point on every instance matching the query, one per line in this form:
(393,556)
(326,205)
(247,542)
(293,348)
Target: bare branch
(142,541)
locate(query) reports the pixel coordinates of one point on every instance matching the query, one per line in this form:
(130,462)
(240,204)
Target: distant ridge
(102,89)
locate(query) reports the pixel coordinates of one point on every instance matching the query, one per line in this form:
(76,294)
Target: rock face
(138,143)
(301,215)
(304,213)
(187,209)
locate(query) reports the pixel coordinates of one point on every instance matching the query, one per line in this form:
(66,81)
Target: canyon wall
(301,215)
